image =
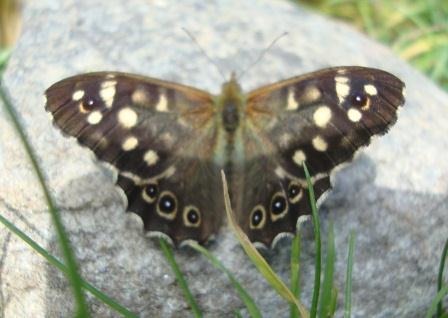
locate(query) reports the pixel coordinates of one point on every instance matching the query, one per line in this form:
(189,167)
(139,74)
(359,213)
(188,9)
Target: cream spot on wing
(162,104)
(129,143)
(292,103)
(169,172)
(94,118)
(150,157)
(127,117)
(342,87)
(322,116)
(140,96)
(110,76)
(168,139)
(319,143)
(299,157)
(285,139)
(403,91)
(107,92)
(370,89)
(311,94)
(78,95)
(354,115)
(280,172)
(342,71)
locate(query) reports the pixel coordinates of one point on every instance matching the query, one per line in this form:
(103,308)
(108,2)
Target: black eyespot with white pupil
(151,190)
(192,216)
(278,205)
(359,99)
(167,203)
(90,103)
(293,191)
(257,217)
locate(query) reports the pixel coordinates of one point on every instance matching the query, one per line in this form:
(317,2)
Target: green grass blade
(243,294)
(317,239)
(440,276)
(4,56)
(365,12)
(438,299)
(326,297)
(69,257)
(56,263)
(259,262)
(167,251)
(334,302)
(348,278)
(295,273)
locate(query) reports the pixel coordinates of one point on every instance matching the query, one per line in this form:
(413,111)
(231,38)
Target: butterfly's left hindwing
(159,135)
(321,119)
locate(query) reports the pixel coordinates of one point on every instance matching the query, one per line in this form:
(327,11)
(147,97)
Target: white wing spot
(403,91)
(94,118)
(370,89)
(354,115)
(107,92)
(280,172)
(129,144)
(311,95)
(78,95)
(162,105)
(292,103)
(342,87)
(285,139)
(319,143)
(299,157)
(151,157)
(322,116)
(140,96)
(127,117)
(169,172)
(167,138)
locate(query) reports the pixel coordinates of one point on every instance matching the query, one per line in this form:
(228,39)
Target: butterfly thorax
(231,103)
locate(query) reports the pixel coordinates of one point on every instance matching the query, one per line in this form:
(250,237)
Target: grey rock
(394,195)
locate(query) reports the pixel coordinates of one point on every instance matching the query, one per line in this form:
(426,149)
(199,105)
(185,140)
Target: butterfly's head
(231,88)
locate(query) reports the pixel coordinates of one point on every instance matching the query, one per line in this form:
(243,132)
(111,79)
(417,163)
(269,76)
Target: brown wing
(161,138)
(320,118)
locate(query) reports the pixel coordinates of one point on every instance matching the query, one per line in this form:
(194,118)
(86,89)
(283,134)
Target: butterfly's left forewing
(159,135)
(321,119)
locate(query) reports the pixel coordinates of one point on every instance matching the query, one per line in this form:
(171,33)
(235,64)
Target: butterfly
(169,143)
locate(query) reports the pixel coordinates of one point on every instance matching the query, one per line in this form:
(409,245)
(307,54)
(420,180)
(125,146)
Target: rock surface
(393,195)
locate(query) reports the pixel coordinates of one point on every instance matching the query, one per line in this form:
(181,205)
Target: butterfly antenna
(191,36)
(262,54)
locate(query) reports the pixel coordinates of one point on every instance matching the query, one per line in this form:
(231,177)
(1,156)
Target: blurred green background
(417,30)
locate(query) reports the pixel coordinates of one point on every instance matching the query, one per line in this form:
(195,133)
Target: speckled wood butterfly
(169,143)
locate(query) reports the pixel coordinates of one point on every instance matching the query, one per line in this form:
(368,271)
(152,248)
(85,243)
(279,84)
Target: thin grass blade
(438,299)
(243,294)
(72,274)
(440,275)
(295,273)
(56,263)
(167,251)
(348,278)
(328,282)
(259,262)
(317,239)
